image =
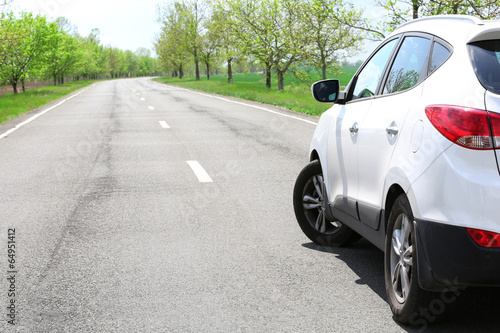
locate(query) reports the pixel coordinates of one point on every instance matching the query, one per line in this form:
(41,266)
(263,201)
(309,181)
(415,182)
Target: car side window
(408,66)
(439,55)
(370,76)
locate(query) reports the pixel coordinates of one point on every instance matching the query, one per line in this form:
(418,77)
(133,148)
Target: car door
(343,133)
(382,125)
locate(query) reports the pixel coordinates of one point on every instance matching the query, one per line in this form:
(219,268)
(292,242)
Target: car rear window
(485,57)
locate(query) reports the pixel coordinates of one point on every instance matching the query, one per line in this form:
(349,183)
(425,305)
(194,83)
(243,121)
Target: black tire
(310,201)
(404,294)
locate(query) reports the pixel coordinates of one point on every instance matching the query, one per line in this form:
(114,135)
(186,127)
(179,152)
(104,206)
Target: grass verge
(14,105)
(251,86)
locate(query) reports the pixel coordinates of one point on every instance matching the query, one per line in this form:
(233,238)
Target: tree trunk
(181,73)
(281,85)
(323,70)
(208,70)
(229,71)
(196,64)
(415,9)
(23,86)
(14,86)
(268,76)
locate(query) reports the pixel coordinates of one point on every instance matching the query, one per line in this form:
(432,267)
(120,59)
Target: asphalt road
(119,229)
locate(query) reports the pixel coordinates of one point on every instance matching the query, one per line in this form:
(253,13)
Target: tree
(403,11)
(25,53)
(210,43)
(273,32)
(330,24)
(224,26)
(254,32)
(64,53)
(193,13)
(116,59)
(94,56)
(132,63)
(147,64)
(171,45)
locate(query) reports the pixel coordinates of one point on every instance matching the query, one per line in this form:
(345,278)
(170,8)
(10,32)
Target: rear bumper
(447,256)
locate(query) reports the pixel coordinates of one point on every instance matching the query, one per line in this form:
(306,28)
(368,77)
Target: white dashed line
(200,173)
(151,107)
(143,99)
(164,124)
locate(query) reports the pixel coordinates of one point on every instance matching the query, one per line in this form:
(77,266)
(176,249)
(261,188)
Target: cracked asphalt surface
(114,231)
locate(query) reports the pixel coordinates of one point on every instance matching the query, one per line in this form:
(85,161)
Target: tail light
(467,127)
(484,238)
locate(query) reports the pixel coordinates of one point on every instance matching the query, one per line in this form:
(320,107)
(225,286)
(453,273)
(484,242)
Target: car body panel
(492,102)
(449,187)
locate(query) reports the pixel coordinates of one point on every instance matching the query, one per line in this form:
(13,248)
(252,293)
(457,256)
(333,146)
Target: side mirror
(327,91)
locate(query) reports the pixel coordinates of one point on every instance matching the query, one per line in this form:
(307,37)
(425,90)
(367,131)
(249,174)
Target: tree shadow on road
(474,310)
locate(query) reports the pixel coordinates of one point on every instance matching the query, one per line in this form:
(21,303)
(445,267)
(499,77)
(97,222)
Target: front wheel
(401,272)
(310,203)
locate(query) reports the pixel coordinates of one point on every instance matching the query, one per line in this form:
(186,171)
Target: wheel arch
(314,156)
(392,194)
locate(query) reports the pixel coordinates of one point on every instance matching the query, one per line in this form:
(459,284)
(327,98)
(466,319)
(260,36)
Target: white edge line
(200,173)
(164,124)
(250,105)
(18,126)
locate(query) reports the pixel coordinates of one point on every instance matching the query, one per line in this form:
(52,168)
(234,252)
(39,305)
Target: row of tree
(281,35)
(32,48)
(400,12)
(278,34)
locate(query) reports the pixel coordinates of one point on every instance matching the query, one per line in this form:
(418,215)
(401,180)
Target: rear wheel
(310,203)
(401,272)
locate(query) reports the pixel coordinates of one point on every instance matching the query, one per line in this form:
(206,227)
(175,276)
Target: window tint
(439,55)
(369,77)
(485,57)
(408,65)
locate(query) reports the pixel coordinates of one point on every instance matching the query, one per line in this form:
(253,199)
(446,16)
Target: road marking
(265,109)
(143,99)
(18,126)
(200,173)
(164,124)
(151,108)
(250,105)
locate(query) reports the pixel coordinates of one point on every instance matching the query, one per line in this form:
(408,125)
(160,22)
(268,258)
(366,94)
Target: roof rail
(466,18)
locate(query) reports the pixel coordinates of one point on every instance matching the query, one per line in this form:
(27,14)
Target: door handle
(354,128)
(393,129)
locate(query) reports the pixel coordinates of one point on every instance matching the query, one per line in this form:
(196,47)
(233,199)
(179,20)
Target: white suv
(408,159)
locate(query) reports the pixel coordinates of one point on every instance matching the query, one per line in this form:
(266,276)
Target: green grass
(14,105)
(251,86)
(296,97)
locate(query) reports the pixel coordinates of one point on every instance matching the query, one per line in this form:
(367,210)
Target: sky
(131,24)
(126,24)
